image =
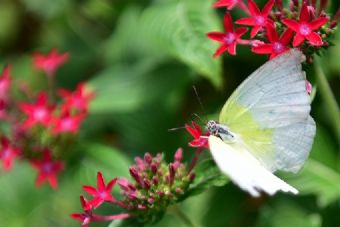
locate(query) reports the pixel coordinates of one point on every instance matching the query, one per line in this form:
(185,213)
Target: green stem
(328,97)
(182,216)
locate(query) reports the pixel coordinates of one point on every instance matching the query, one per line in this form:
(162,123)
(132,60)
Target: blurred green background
(142,57)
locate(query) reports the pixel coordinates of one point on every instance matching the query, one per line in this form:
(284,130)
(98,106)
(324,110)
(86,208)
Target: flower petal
(286,36)
(228,23)
(100,182)
(268,7)
(216,36)
(254,31)
(240,31)
(314,39)
(292,24)
(271,33)
(232,49)
(316,24)
(220,50)
(253,8)
(263,49)
(304,14)
(298,39)
(246,21)
(90,190)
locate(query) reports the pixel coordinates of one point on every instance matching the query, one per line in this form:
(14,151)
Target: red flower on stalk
(228,39)
(200,140)
(47,169)
(102,193)
(305,28)
(67,123)
(37,113)
(51,62)
(79,99)
(85,217)
(277,44)
(230,4)
(8,153)
(258,19)
(88,215)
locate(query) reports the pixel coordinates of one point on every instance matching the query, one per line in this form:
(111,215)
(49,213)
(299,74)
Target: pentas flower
(277,44)
(47,169)
(102,193)
(66,123)
(79,99)
(87,217)
(5,82)
(51,62)
(229,39)
(38,113)
(259,19)
(305,28)
(200,139)
(230,4)
(8,153)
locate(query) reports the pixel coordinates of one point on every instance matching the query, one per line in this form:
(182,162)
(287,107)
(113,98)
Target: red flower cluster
(273,27)
(156,186)
(38,122)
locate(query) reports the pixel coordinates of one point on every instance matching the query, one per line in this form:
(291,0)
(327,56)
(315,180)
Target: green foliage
(142,57)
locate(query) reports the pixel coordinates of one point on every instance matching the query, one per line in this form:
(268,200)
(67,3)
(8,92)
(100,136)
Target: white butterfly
(265,126)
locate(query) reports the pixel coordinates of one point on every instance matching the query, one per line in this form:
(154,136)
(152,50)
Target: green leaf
(116,93)
(207,175)
(179,28)
(285,213)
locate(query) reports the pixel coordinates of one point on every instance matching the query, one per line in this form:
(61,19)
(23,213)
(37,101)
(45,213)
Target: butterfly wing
(245,170)
(269,111)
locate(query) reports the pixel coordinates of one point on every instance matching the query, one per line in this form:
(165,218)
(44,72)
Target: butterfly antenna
(195,115)
(201,105)
(175,129)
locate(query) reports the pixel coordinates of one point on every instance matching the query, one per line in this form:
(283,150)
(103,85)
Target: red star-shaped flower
(88,215)
(102,193)
(38,113)
(67,123)
(51,62)
(85,217)
(230,4)
(229,38)
(5,82)
(8,153)
(47,169)
(200,140)
(305,28)
(259,18)
(79,99)
(277,44)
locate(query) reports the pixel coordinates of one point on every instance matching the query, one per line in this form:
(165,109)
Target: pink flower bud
(148,158)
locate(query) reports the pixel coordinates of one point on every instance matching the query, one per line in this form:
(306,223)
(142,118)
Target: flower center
(305,29)
(6,153)
(229,38)
(102,195)
(47,167)
(40,114)
(66,124)
(259,20)
(278,47)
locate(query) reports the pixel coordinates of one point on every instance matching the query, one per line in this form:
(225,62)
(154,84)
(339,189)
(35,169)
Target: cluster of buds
(276,29)
(156,185)
(38,127)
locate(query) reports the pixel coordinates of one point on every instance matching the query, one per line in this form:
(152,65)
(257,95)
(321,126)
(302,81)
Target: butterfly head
(219,130)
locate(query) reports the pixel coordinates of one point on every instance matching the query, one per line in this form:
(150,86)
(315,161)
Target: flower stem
(182,216)
(329,99)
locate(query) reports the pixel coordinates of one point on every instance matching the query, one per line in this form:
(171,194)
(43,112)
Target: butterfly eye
(212,127)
